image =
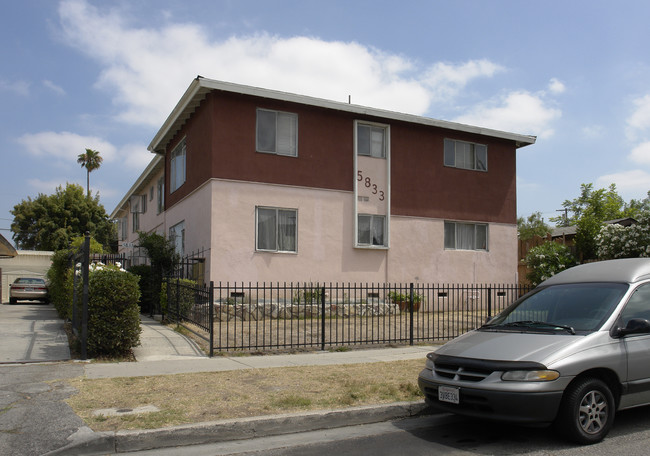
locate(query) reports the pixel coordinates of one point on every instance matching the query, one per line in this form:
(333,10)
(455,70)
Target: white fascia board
(146,175)
(200,86)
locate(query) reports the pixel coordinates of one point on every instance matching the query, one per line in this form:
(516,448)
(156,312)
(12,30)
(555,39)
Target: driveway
(31,333)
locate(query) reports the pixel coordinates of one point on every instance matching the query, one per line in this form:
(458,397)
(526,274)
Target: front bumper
(516,407)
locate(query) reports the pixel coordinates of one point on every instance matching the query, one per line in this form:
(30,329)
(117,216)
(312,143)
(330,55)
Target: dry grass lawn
(193,398)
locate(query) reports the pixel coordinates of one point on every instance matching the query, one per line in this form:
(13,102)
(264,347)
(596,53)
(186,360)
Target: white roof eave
(200,86)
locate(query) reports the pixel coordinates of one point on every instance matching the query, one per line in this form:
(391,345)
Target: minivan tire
(587,411)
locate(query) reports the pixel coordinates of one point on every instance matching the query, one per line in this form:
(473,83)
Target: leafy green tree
(91,160)
(589,211)
(532,226)
(50,222)
(603,204)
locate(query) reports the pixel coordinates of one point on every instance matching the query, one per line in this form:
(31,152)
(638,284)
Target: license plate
(29,289)
(449,394)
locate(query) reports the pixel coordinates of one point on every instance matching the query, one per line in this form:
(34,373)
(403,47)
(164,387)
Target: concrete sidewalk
(164,351)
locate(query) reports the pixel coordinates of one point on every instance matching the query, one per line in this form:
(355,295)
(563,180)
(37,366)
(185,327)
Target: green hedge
(113,312)
(184,293)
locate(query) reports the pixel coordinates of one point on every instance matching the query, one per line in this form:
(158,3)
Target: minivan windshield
(568,308)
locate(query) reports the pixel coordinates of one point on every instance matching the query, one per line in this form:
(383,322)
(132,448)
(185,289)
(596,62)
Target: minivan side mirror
(634,326)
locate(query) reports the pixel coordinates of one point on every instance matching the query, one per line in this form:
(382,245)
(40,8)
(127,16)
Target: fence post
(75,312)
(84,311)
(411,314)
(322,319)
(178,301)
(489,302)
(211,316)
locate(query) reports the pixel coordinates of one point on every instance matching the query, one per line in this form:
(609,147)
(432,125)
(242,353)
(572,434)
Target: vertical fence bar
(411,329)
(211,317)
(322,318)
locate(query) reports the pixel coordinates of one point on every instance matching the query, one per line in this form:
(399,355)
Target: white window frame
(372,128)
(177,237)
(465,155)
(372,218)
(277,248)
(284,142)
(481,235)
(178,166)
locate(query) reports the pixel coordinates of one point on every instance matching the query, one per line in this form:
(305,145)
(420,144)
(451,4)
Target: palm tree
(91,160)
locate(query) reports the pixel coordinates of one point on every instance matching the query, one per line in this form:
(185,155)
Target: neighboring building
(275,187)
(27,263)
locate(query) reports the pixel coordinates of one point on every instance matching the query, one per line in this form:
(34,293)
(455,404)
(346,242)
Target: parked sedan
(28,288)
(572,352)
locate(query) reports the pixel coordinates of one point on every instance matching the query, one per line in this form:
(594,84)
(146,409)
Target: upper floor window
(466,155)
(177,167)
(371,140)
(277,132)
(371,230)
(160,190)
(466,236)
(276,229)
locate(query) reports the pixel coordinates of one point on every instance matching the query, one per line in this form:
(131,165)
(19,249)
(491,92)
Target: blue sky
(105,75)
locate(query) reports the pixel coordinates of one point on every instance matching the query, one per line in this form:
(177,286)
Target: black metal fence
(257,317)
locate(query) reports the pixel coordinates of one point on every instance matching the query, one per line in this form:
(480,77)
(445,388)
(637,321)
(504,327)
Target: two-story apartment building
(281,187)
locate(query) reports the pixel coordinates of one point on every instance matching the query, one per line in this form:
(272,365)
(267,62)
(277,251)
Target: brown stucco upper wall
(325,150)
(220,139)
(422,186)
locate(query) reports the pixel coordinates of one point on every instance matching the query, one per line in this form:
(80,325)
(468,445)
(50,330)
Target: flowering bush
(616,241)
(546,260)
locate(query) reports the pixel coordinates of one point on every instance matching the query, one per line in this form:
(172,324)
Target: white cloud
(135,156)
(556,87)
(632,184)
(49,186)
(520,112)
(147,70)
(639,122)
(65,146)
(641,154)
(17,87)
(53,87)
(446,80)
(593,131)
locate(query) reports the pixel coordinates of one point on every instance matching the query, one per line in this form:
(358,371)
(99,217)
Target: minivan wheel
(587,411)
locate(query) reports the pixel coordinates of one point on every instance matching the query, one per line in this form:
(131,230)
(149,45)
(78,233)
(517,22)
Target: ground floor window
(466,236)
(371,230)
(276,229)
(177,237)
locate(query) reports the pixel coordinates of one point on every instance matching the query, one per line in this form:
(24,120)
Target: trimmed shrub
(184,294)
(113,312)
(59,278)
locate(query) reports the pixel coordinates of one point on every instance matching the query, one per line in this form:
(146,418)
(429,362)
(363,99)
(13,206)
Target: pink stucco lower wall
(221,216)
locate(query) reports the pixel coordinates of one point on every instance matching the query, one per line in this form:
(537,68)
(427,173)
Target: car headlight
(530,376)
(428,364)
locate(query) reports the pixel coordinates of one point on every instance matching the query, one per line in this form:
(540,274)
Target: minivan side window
(638,306)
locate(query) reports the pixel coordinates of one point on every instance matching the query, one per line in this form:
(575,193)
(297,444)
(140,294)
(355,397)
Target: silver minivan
(571,352)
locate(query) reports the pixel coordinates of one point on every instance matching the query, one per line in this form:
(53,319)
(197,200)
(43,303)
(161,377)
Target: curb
(87,442)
